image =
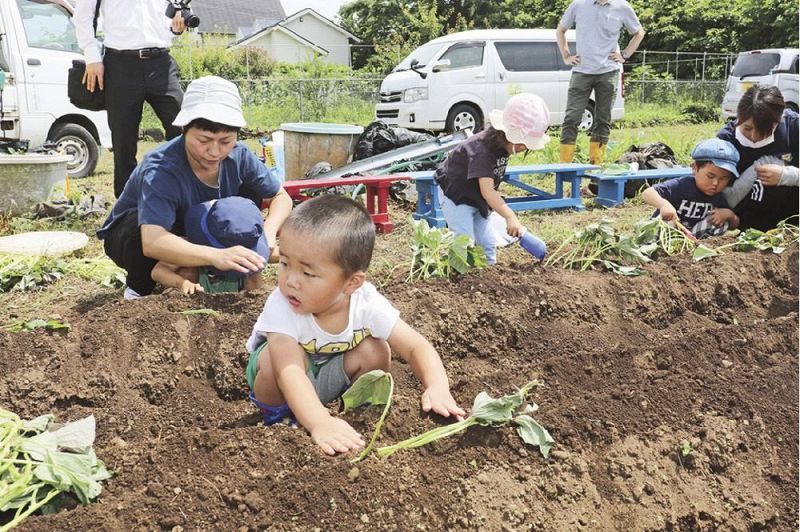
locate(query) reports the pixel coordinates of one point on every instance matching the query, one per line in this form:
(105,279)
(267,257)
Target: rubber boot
(566,152)
(596,153)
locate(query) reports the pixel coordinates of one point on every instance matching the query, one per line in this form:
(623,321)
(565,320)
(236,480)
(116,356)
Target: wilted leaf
(533,433)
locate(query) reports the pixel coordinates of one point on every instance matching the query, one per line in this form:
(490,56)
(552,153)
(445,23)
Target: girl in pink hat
(469,176)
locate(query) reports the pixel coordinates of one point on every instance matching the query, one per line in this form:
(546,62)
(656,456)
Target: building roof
(249,33)
(329,22)
(227,16)
(286,31)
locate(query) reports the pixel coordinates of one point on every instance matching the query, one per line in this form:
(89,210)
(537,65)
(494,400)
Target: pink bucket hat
(524,120)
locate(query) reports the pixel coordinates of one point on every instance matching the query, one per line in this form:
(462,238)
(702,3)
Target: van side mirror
(438,66)
(413,66)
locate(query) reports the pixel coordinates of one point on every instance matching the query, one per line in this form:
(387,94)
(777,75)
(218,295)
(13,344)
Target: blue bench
(611,188)
(429,208)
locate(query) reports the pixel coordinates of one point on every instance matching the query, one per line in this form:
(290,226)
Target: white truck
(37,47)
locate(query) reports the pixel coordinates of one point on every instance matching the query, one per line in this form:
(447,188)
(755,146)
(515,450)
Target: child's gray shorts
(328,376)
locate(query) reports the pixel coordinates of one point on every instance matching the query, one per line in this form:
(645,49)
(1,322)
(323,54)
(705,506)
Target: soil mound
(634,367)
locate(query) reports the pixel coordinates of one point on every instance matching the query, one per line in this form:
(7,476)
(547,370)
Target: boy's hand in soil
(189,288)
(335,435)
(427,366)
(439,399)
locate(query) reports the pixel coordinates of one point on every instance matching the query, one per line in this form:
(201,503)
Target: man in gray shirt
(595,67)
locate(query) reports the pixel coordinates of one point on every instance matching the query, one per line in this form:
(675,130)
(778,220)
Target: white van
(773,66)
(453,82)
(36,51)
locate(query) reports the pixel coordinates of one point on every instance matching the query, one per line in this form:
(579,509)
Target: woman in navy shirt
(765,133)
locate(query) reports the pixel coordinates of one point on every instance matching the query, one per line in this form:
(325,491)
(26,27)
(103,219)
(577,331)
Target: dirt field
(705,353)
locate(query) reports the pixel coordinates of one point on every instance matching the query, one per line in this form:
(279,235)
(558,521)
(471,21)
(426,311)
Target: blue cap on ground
(720,152)
(227,222)
(533,245)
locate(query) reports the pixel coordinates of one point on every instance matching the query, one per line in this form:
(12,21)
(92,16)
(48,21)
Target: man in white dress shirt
(136,67)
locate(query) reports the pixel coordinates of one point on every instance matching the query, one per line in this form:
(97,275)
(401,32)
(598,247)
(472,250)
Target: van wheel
(587,120)
(464,116)
(78,143)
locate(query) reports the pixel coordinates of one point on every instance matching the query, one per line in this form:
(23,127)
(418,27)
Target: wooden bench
(611,188)
(377,193)
(429,207)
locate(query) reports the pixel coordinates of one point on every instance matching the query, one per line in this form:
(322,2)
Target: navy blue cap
(227,222)
(720,152)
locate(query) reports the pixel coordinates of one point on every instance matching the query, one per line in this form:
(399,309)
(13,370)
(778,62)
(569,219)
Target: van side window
(527,56)
(47,26)
(465,55)
(794,68)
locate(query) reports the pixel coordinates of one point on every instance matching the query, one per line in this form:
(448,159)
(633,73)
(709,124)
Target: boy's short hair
(720,153)
(343,224)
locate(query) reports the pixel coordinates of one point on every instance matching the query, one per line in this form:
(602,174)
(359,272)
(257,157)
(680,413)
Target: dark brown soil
(706,353)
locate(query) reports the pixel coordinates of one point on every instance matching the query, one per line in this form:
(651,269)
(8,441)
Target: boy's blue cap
(227,222)
(720,152)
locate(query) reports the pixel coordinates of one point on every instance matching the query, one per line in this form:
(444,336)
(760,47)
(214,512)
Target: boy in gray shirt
(595,67)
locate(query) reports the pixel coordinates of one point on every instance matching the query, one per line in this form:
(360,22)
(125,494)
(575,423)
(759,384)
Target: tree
(395,27)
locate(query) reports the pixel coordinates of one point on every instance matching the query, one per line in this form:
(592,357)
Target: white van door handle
(34,61)
(480,76)
(502,75)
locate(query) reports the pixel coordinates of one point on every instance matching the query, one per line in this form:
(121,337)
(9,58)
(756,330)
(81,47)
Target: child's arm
(498,205)
(427,366)
(665,208)
(333,434)
(720,215)
(166,275)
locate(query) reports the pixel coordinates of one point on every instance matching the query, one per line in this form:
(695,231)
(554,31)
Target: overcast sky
(326,8)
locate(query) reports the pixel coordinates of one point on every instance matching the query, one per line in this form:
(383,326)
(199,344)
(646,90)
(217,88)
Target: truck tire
(587,120)
(79,144)
(463,116)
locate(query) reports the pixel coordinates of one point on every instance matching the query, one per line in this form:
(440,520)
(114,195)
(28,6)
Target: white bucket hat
(524,120)
(214,99)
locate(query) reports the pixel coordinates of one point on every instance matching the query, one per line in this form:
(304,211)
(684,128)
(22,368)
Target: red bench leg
(378,206)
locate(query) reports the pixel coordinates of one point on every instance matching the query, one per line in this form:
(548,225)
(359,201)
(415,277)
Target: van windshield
(423,54)
(755,65)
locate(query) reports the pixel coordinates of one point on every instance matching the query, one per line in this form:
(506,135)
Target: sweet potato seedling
(40,460)
(488,412)
(373,388)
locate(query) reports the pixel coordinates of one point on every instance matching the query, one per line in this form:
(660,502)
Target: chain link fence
(653,78)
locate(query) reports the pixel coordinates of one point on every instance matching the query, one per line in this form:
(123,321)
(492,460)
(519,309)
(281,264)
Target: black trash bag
(650,155)
(379,137)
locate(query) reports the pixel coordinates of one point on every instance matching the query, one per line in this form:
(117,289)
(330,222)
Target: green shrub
(700,112)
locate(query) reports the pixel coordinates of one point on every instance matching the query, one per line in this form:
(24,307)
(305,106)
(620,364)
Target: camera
(191,20)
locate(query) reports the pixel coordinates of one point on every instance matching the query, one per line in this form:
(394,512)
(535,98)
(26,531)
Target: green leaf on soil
(534,434)
(701,252)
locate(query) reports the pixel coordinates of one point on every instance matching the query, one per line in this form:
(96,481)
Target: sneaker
(131,294)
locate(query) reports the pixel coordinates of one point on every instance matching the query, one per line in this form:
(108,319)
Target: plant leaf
(701,252)
(533,433)
(372,388)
